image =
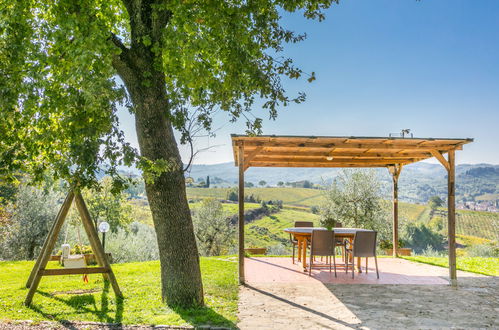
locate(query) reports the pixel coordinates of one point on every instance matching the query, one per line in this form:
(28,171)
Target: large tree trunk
(180,272)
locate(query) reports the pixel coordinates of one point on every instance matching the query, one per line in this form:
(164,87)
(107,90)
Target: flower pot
(401,251)
(256,250)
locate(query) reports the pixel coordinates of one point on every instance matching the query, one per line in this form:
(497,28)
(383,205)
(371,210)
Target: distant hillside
(418,182)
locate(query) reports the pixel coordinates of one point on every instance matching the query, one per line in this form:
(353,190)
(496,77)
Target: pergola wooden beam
(352,160)
(358,152)
(271,152)
(369,146)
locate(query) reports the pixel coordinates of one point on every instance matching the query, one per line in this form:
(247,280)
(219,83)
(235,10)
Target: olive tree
(354,199)
(67,65)
(29,223)
(212,227)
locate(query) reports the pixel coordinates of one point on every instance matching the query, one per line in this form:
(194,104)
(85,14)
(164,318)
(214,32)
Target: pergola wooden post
(395,172)
(40,269)
(336,151)
(241,212)
(450,166)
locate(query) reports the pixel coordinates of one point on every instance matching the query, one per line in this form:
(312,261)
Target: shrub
(278,250)
(387,244)
(483,250)
(213,229)
(31,217)
(429,251)
(420,237)
(137,244)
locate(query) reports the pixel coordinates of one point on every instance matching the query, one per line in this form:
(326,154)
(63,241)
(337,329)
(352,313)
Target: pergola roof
(339,151)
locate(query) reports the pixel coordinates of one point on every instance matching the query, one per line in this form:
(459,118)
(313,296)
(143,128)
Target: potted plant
(328,222)
(387,245)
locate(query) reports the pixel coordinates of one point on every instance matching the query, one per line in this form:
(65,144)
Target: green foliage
(435,202)
(29,223)
(59,62)
(388,244)
(104,205)
(212,227)
(354,200)
(486,266)
(314,209)
(419,237)
(232,195)
(78,249)
(59,96)
(138,243)
(139,283)
(483,250)
(436,224)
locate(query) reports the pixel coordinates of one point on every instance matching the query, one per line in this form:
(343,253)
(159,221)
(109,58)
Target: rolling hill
(418,182)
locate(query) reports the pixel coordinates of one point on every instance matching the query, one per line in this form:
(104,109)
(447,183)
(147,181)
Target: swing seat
(76,261)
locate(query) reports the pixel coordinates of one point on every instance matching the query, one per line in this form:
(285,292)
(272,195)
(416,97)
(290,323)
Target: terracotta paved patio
(408,295)
(391,270)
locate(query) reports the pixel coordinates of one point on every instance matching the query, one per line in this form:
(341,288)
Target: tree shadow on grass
(204,316)
(85,303)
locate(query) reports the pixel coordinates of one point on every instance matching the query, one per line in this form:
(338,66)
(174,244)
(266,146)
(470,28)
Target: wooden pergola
(334,151)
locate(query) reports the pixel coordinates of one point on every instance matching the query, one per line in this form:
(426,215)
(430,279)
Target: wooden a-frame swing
(40,270)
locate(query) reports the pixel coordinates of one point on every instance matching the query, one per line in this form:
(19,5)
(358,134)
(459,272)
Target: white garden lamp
(104,228)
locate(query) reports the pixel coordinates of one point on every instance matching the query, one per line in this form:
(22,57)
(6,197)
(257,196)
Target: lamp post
(103,228)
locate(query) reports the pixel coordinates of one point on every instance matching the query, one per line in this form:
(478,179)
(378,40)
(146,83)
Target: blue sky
(384,65)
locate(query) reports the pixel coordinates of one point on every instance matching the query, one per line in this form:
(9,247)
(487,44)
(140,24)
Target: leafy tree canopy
(354,200)
(59,62)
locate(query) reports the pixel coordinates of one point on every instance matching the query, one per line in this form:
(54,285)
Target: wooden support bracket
(438,155)
(250,156)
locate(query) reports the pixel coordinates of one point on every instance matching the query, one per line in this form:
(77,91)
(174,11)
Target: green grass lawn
(486,266)
(140,284)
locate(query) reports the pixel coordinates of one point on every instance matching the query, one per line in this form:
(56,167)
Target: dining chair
(293,241)
(364,245)
(322,244)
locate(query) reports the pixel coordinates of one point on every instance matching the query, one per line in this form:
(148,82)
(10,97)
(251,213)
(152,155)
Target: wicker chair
(322,244)
(364,245)
(293,241)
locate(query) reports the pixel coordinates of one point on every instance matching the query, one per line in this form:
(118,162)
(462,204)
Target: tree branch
(117,42)
(122,61)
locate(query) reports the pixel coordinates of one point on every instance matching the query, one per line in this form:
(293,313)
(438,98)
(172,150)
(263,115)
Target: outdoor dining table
(304,234)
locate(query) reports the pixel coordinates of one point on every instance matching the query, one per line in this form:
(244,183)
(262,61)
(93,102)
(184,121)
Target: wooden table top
(308,230)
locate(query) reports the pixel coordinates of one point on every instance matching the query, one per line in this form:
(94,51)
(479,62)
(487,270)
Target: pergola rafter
(359,152)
